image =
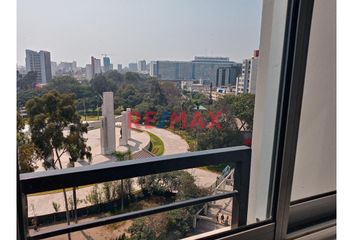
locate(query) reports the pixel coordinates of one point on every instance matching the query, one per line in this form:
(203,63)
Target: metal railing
(237,157)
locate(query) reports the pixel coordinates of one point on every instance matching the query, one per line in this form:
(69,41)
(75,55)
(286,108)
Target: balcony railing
(237,157)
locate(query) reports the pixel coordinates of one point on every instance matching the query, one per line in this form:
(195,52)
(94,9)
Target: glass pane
(315,165)
(122,80)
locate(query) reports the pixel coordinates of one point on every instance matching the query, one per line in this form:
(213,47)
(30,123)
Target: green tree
(28,81)
(128,96)
(100,83)
(27,156)
(244,110)
(49,116)
(179,224)
(149,228)
(175,224)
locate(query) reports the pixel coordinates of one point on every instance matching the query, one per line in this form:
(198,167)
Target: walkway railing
(237,157)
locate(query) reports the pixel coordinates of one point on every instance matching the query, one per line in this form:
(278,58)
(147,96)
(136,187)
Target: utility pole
(210,94)
(85,109)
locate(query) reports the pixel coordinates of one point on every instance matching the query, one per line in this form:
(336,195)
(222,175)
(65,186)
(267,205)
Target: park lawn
(157,147)
(89,118)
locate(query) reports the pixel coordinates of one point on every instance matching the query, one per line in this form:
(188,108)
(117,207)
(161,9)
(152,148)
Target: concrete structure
(174,70)
(124,134)
(142,66)
(107,66)
(205,68)
(133,67)
(153,69)
(193,86)
(54,67)
(40,63)
(128,119)
(108,136)
(119,67)
(226,76)
(246,83)
(66,68)
(95,66)
(201,68)
(88,69)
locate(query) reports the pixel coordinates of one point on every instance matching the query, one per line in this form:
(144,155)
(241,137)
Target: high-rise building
(40,63)
(254,70)
(54,67)
(205,68)
(133,67)
(142,66)
(107,66)
(246,83)
(88,69)
(153,69)
(174,70)
(119,67)
(66,67)
(226,76)
(95,67)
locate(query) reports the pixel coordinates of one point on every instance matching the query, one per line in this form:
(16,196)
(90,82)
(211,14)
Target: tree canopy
(48,117)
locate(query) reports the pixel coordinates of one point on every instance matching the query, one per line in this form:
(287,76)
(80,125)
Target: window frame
(285,217)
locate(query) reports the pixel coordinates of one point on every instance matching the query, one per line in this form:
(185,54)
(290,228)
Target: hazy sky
(129,30)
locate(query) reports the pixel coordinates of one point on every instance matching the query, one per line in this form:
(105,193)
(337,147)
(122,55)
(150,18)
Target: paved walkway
(139,141)
(173,143)
(43,204)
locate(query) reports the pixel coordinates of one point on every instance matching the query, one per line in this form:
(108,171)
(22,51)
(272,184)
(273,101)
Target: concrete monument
(123,141)
(129,127)
(108,133)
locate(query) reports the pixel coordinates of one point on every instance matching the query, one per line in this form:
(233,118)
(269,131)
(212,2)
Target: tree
(180,182)
(26,150)
(244,110)
(128,96)
(179,223)
(49,116)
(175,224)
(28,81)
(100,83)
(63,84)
(149,228)
(25,95)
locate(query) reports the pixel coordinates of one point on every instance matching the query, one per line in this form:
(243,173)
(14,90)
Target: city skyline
(126,65)
(190,30)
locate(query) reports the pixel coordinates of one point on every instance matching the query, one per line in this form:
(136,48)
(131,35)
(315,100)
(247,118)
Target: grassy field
(157,147)
(89,118)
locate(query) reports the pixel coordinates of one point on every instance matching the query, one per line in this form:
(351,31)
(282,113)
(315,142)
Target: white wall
(315,166)
(268,76)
